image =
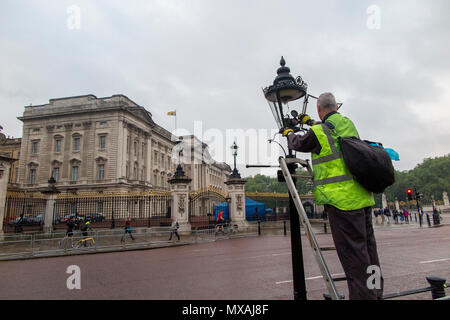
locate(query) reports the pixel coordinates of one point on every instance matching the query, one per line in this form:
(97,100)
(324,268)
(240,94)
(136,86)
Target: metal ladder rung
(340,279)
(301,176)
(327,248)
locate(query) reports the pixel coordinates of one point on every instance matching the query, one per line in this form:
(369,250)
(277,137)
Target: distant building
(10,147)
(96,144)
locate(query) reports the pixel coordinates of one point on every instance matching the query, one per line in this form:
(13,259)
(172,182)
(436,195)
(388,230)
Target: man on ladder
(347,203)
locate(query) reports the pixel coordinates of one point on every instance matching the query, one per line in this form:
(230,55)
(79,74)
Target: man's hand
(287,130)
(306,119)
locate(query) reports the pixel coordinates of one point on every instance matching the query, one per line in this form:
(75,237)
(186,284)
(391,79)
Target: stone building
(98,144)
(10,147)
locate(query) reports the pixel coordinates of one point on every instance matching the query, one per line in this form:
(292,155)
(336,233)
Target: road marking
(311,278)
(438,260)
(280,254)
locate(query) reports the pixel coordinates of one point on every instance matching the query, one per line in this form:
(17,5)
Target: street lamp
(179,149)
(283,90)
(235,173)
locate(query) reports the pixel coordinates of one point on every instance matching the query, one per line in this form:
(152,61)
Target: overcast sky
(208,60)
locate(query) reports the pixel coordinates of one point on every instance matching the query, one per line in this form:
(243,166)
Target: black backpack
(368,162)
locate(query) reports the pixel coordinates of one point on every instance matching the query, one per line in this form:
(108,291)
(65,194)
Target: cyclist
(69,233)
(219,222)
(84,230)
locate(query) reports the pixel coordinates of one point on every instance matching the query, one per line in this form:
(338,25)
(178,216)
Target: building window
(58,146)
(101,172)
(155,179)
(76,144)
(55,174)
(34,147)
(32,176)
(127,172)
(102,142)
(128,144)
(155,156)
(135,148)
(74,174)
(162,160)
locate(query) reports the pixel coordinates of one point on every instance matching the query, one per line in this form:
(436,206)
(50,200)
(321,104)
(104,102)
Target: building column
(5,167)
(384,201)
(180,196)
(236,193)
(445,199)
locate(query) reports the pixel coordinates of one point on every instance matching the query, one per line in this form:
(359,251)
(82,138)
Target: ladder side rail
(313,241)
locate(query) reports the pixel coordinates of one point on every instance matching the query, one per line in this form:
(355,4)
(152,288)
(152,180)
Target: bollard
(284,227)
(259,228)
(437,287)
(325,227)
(428,220)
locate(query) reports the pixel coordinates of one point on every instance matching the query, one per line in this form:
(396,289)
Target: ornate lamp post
(179,149)
(285,89)
(235,173)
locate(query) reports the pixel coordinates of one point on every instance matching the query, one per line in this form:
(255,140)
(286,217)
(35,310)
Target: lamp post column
(180,195)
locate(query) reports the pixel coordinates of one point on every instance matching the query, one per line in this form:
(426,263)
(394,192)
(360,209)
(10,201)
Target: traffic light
(409,193)
(419,195)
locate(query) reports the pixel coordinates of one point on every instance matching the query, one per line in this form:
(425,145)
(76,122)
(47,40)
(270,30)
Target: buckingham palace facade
(98,144)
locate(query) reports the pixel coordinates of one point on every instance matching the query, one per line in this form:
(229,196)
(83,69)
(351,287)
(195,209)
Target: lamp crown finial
(282,62)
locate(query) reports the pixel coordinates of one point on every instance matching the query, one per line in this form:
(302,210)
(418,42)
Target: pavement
(251,268)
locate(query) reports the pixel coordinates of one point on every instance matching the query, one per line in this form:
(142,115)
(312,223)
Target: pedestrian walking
(68,238)
(387,214)
(395,216)
(174,229)
(127,230)
(348,203)
(406,214)
(375,213)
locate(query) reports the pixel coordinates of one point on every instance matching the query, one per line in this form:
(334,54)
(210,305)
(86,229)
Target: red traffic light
(409,191)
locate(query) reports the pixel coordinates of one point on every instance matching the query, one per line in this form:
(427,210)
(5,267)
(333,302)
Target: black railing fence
(24,211)
(111,210)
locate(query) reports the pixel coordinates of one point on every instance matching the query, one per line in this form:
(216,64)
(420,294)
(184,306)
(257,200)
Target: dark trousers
(125,233)
(356,247)
(176,233)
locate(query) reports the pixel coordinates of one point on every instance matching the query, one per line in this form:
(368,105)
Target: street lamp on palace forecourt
(235,173)
(283,90)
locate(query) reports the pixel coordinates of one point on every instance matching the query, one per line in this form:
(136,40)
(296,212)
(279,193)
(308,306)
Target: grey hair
(326,101)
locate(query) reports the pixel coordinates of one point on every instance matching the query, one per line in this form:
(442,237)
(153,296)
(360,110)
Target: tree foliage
(262,183)
(431,177)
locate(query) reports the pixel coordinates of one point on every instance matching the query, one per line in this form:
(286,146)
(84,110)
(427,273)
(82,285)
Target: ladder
(329,281)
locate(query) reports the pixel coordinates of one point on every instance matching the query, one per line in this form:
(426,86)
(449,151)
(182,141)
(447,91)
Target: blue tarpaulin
(252,208)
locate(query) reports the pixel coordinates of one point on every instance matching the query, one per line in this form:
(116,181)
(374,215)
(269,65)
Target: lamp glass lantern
(235,173)
(179,149)
(285,88)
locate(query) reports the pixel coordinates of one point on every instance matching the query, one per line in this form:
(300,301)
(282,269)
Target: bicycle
(84,242)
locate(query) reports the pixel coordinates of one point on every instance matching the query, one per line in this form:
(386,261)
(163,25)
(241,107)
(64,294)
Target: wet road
(254,268)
